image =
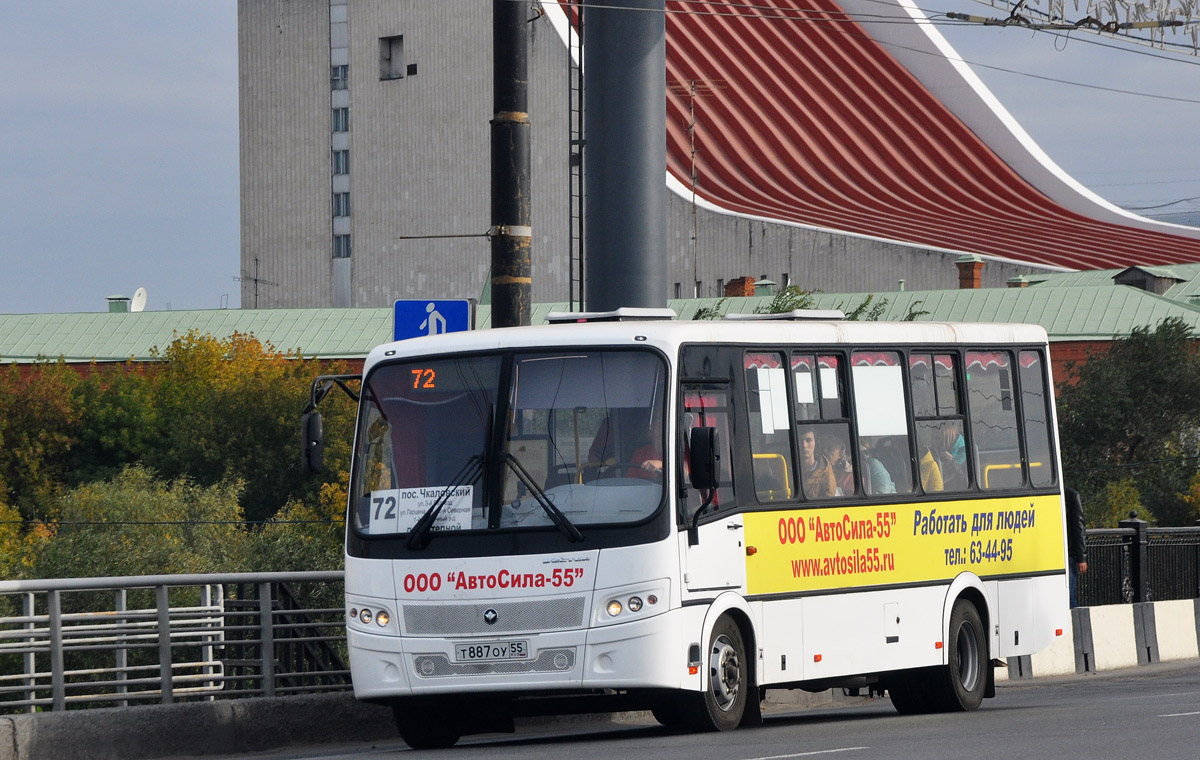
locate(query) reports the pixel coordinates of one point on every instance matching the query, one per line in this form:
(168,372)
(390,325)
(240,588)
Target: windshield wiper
(556,516)
(418,537)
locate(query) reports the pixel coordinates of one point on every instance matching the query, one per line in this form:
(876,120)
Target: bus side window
(707,406)
(1037,426)
(941,447)
(994,437)
(770,426)
(881,416)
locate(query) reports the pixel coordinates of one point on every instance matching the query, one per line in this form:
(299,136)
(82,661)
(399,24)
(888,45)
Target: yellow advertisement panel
(855,546)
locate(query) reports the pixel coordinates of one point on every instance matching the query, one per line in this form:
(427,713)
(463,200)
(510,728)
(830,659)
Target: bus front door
(718,561)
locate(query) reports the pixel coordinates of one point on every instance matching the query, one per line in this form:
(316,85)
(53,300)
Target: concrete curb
(1116,637)
(192,728)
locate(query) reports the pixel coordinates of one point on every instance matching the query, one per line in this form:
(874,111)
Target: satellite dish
(139,300)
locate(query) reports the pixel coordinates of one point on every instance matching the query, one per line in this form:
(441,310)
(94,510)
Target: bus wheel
(724,701)
(964,678)
(425,729)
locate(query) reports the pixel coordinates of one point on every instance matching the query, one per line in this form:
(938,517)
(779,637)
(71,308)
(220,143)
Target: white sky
(119,144)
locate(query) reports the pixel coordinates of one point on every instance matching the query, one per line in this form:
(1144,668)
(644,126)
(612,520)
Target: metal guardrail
(166,638)
(1137,563)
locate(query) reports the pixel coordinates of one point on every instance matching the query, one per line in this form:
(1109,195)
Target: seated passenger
(953,458)
(839,462)
(931,472)
(876,478)
(815,473)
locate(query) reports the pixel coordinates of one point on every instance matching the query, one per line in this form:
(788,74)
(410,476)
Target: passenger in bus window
(893,453)
(876,478)
(839,462)
(952,458)
(815,472)
(931,471)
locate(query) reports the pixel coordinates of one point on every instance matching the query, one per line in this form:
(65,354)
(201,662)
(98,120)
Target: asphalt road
(1153,712)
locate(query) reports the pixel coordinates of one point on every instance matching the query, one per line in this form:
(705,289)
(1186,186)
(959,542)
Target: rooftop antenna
(256,280)
(139,301)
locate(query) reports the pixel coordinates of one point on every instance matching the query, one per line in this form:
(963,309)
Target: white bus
(626,512)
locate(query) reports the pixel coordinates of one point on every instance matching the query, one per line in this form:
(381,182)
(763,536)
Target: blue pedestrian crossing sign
(416,317)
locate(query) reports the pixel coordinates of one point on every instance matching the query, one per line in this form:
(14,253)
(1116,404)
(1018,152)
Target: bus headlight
(365,615)
(626,603)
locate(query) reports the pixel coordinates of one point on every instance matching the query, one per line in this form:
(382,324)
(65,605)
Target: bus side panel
(1033,613)
(872,631)
(782,641)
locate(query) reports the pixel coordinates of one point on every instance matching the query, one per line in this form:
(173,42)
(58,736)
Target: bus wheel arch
(730,696)
(727,684)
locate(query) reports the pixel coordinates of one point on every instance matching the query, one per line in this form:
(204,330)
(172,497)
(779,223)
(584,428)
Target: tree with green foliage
(39,425)
(136,524)
(119,421)
(209,410)
(219,417)
(789,299)
(302,536)
(230,409)
(1132,413)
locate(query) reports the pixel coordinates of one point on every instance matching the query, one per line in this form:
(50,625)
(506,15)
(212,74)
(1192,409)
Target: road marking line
(1179,715)
(810,754)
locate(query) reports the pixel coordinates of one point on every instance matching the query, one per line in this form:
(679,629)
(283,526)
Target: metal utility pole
(625,117)
(511,208)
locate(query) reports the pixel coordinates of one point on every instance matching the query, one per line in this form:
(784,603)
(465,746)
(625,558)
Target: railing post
(207,651)
(58,678)
(28,608)
(1139,565)
(165,675)
(122,654)
(266,625)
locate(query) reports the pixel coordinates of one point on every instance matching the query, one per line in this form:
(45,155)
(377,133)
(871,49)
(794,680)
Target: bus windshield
(580,442)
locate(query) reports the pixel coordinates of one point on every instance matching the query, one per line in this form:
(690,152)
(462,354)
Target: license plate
(491,651)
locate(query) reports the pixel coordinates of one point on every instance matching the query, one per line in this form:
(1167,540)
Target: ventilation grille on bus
(556,614)
(439,666)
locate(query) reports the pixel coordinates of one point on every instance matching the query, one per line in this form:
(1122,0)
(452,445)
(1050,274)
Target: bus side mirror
(312,430)
(702,458)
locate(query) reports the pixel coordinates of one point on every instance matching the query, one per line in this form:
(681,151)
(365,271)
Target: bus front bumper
(644,654)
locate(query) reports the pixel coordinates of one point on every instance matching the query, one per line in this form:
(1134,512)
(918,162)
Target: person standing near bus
(1076,540)
(815,472)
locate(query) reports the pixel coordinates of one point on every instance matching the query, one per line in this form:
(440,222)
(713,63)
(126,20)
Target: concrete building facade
(364,129)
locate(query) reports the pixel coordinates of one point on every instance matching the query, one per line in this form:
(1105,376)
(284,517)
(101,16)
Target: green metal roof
(1098,312)
(82,337)
(1187,287)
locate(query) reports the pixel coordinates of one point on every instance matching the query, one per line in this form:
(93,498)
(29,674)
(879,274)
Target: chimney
(1020,281)
(117,304)
(741,287)
(970,271)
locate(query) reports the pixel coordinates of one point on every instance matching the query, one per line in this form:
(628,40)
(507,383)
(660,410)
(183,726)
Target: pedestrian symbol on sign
(424,317)
(435,321)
